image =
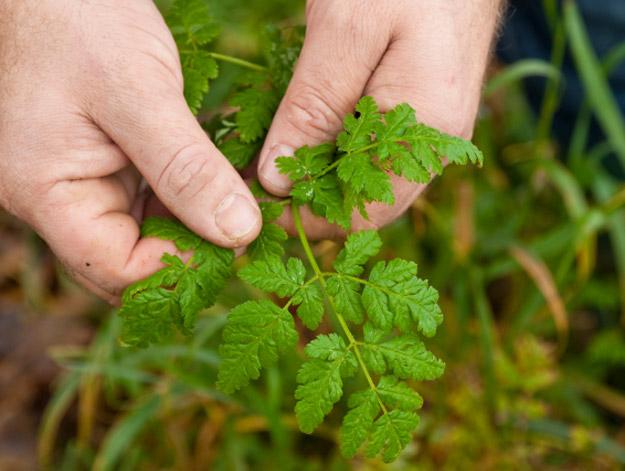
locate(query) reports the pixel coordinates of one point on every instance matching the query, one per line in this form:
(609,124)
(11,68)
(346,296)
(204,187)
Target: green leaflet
(281,49)
(270,242)
(405,356)
(193,27)
(170,299)
(398,395)
(394,296)
(168,276)
(257,98)
(200,69)
(320,387)
(310,309)
(273,276)
(397,121)
(358,132)
(257,331)
(320,379)
(168,229)
(358,422)
(239,153)
(328,201)
(270,210)
(432,145)
(359,248)
(391,433)
(306,162)
(256,110)
(149,318)
(366,178)
(346,294)
(371,146)
(191,22)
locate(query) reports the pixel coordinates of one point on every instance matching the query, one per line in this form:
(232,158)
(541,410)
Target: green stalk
(290,302)
(487,338)
(353,343)
(368,283)
(553,90)
(237,61)
(340,157)
(229,59)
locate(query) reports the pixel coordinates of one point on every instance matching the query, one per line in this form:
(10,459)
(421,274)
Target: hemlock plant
(382,314)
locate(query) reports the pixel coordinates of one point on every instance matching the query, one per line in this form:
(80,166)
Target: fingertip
(238,219)
(269,175)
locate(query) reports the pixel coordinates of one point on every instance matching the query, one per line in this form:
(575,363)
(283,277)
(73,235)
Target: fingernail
(236,217)
(270,172)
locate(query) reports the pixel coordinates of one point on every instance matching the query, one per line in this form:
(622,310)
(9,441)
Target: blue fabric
(526,35)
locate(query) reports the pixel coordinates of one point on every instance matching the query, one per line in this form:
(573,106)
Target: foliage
(371,146)
(257,96)
(390,305)
(172,297)
(193,27)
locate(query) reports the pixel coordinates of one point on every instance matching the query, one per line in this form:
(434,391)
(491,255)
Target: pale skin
(91,103)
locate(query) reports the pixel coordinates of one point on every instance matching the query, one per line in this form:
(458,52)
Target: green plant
(378,319)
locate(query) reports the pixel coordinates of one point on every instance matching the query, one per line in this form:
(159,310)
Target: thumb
(189,175)
(333,69)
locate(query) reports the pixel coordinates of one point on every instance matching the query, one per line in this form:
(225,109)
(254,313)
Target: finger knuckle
(187,174)
(312,114)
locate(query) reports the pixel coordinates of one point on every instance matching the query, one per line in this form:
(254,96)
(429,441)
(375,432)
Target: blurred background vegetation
(528,254)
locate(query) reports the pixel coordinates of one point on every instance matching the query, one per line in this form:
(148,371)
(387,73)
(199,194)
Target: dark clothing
(526,34)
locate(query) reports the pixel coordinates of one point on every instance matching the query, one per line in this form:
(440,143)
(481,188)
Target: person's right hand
(91,98)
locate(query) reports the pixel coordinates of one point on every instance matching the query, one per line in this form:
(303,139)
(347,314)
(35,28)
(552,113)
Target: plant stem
(368,283)
(353,343)
(340,157)
(237,61)
(553,91)
(309,282)
(226,58)
(487,338)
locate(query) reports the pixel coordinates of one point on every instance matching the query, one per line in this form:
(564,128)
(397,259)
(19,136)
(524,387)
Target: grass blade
(522,70)
(54,413)
(600,96)
(121,436)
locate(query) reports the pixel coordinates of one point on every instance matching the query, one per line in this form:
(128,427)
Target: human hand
(431,55)
(91,99)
